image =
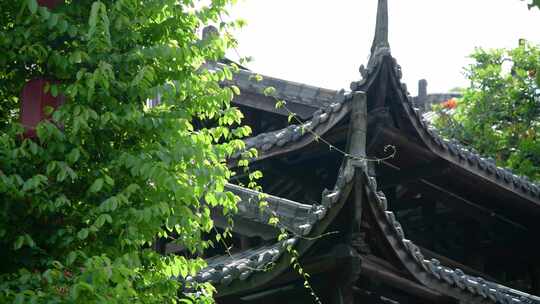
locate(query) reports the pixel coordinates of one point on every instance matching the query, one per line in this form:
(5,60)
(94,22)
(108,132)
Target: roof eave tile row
(266,142)
(485,164)
(225,269)
(294,217)
(457,151)
(290,91)
(453,278)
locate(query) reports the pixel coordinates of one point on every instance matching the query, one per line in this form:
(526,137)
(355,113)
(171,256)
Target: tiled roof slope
(286,90)
(271,143)
(295,217)
(451,150)
(460,154)
(223,270)
(430,272)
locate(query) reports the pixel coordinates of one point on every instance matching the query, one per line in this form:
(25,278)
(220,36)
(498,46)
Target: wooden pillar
(34,100)
(356,148)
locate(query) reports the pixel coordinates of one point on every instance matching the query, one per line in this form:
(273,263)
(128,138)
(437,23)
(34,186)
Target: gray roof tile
(453,278)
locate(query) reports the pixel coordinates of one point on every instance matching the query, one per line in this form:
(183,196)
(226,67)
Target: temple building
(376,206)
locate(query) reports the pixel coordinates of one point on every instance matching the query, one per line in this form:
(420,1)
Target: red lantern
(33,102)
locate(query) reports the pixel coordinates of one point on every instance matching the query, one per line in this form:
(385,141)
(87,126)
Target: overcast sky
(323,42)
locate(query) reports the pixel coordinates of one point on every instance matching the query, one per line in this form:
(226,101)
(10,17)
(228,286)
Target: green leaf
(18,242)
(71,257)
(72,31)
(53,20)
(82,234)
(257,77)
(75,57)
(29,241)
(96,185)
(269,91)
(54,89)
(74,155)
(62,26)
(290,117)
(48,110)
(44,12)
(32,6)
(109,180)
(92,20)
(235,89)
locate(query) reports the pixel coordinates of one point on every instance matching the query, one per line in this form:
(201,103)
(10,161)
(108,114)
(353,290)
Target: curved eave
(452,151)
(302,98)
(451,282)
(247,270)
(297,136)
(295,217)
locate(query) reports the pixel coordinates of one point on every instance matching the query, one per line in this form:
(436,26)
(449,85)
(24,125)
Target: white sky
(323,42)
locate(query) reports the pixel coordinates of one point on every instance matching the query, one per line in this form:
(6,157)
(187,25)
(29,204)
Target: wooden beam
(468,207)
(268,104)
(371,267)
(374,270)
(405,175)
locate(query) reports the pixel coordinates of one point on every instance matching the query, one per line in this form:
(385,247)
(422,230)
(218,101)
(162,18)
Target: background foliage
(82,204)
(499,114)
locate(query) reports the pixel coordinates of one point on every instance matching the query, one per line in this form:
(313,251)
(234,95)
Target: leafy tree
(82,203)
(499,114)
(534,3)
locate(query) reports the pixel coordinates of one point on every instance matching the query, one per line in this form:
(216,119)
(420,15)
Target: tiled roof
(286,90)
(462,155)
(321,121)
(222,270)
(430,272)
(294,217)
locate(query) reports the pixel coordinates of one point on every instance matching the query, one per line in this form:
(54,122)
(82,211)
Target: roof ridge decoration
(380,40)
(431,273)
(380,48)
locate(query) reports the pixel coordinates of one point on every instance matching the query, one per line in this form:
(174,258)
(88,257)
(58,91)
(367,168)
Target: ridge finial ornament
(381,29)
